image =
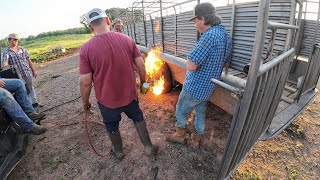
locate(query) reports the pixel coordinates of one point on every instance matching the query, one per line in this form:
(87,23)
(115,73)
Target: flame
(158,86)
(157,25)
(153,65)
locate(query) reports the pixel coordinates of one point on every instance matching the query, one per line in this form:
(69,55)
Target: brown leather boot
(196,140)
(178,137)
(37,130)
(149,148)
(116,144)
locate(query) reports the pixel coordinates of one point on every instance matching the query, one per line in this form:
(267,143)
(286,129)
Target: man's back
(110,57)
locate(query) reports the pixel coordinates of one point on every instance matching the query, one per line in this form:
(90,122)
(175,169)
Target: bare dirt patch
(63,152)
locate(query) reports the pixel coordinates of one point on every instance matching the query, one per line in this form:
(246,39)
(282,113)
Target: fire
(158,86)
(157,26)
(153,65)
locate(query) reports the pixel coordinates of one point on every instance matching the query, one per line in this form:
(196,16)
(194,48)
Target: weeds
(292,172)
(296,131)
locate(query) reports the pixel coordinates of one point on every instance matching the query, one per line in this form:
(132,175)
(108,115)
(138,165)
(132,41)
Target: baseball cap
(118,21)
(100,12)
(13,36)
(203,9)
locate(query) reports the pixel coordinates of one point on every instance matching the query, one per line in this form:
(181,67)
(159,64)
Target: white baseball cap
(100,12)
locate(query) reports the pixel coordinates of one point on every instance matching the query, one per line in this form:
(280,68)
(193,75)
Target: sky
(31,17)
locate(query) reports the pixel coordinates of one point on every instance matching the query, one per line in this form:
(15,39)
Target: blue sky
(31,17)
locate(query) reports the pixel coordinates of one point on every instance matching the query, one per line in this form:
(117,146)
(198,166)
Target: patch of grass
(248,175)
(52,163)
(37,48)
(292,172)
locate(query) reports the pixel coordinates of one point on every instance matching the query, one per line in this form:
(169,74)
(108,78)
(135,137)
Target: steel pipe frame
(239,121)
(225,77)
(296,40)
(310,56)
(226,86)
(267,66)
(144,25)
(275,25)
(178,4)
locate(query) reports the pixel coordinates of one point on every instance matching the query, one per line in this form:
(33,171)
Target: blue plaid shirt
(211,52)
(19,59)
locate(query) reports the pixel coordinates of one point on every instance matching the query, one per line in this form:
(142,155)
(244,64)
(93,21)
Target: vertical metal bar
(250,87)
(270,46)
(144,25)
(198,33)
(298,33)
(291,21)
(134,26)
(162,35)
(284,73)
(305,12)
(250,117)
(152,30)
(175,31)
(310,56)
(233,18)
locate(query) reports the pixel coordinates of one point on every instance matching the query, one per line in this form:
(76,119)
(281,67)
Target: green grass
(46,44)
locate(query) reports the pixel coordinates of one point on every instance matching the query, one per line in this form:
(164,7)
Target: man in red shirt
(108,60)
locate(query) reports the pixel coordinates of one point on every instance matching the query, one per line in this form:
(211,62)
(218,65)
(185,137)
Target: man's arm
(138,61)
(5,58)
(34,74)
(191,66)
(85,89)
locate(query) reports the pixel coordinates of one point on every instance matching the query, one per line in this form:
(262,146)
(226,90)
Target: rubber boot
(196,140)
(178,137)
(142,130)
(116,144)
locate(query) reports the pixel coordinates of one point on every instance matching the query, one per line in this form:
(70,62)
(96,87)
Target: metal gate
(265,84)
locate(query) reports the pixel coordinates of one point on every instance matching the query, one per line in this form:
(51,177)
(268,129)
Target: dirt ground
(63,151)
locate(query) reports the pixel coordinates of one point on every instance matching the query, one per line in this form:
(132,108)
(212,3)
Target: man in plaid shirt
(16,55)
(205,61)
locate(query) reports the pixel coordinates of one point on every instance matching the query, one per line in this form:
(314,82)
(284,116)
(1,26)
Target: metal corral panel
(308,35)
(245,29)
(181,42)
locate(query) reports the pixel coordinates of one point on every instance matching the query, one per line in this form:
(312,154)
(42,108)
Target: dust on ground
(63,152)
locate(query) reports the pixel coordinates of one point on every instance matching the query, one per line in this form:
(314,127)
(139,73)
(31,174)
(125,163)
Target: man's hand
(2,84)
(86,107)
(34,74)
(191,66)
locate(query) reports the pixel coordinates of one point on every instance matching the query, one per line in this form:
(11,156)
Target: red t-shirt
(110,58)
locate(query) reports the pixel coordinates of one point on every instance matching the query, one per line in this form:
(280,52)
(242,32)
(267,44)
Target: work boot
(37,130)
(196,140)
(178,137)
(36,116)
(142,130)
(116,144)
(35,105)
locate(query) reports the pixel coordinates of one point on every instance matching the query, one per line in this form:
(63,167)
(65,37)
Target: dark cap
(203,9)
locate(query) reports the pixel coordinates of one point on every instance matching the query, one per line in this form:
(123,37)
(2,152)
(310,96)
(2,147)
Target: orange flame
(158,86)
(153,66)
(157,25)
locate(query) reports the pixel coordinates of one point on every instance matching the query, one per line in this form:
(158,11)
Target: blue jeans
(32,92)
(13,107)
(185,104)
